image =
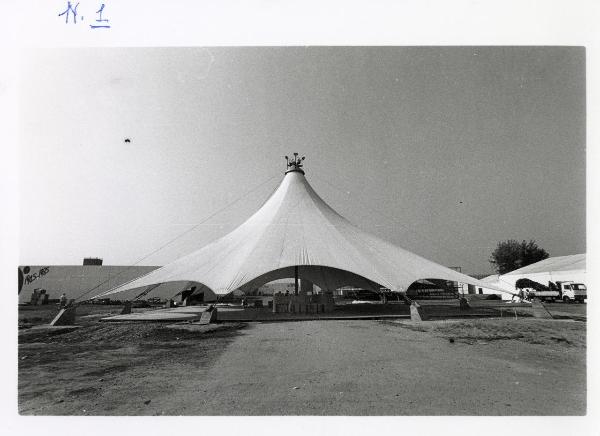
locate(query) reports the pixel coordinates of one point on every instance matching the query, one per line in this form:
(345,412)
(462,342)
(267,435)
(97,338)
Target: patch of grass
(126,333)
(566,333)
(67,373)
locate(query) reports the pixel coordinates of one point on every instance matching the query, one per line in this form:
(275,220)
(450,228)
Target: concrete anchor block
(417,313)
(126,308)
(65,317)
(539,310)
(464,304)
(209,316)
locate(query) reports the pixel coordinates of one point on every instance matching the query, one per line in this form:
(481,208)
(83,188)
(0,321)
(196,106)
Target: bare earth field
(356,367)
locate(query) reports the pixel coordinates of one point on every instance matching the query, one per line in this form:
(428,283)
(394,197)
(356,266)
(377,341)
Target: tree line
(511,255)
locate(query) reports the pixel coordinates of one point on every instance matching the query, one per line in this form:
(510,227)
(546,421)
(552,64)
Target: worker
(63,300)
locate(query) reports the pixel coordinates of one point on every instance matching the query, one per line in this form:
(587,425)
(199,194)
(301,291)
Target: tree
(511,255)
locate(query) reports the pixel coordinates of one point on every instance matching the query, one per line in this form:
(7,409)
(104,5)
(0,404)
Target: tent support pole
(296,280)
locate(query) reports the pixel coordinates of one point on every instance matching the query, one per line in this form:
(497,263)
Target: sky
(444,151)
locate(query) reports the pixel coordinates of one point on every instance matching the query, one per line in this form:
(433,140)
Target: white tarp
(295,227)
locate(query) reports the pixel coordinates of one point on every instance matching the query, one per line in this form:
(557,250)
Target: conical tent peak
(294,163)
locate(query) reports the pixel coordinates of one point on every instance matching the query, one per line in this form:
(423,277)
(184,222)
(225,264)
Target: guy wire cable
(177,237)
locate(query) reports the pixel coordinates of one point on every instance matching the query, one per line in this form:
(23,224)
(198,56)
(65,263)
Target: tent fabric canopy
(564,268)
(573,262)
(295,227)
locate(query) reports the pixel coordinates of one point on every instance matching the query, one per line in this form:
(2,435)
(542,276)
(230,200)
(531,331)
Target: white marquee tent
(296,234)
(558,268)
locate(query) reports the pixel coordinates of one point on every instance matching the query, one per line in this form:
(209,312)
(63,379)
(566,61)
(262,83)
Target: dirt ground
(459,367)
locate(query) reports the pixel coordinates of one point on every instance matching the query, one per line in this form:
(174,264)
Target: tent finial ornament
(294,164)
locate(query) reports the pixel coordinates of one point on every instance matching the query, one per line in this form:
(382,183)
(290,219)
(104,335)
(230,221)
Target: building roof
(295,227)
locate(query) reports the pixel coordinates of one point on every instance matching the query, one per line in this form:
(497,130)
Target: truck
(573,292)
(567,291)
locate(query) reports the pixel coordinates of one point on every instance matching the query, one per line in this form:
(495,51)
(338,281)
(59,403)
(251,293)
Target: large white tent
(296,234)
(557,268)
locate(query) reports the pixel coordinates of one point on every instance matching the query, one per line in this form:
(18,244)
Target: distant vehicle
(567,291)
(579,292)
(362,295)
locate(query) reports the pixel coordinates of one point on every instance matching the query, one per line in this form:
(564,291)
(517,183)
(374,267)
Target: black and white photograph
(300,230)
